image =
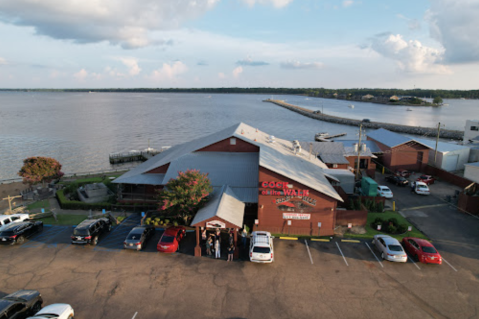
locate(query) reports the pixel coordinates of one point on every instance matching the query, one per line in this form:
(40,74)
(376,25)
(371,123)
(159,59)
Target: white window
(233,141)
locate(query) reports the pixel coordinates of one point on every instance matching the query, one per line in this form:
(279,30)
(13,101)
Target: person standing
(231,240)
(244,237)
(209,243)
(231,250)
(203,234)
(217,249)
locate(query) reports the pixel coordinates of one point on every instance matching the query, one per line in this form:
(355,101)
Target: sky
(430,44)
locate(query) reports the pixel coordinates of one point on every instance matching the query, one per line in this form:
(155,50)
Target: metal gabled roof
(276,156)
(441,146)
(323,147)
(333,158)
(475,164)
(371,145)
(391,139)
(223,204)
(143,179)
(233,169)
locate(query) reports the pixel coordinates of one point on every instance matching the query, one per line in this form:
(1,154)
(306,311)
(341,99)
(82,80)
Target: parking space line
(409,257)
(449,264)
(342,254)
(134,315)
(374,255)
(309,252)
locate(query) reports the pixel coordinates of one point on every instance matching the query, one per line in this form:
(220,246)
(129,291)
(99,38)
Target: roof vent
(363,147)
(271,139)
(296,147)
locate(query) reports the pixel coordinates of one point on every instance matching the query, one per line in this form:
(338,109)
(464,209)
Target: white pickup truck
(16,218)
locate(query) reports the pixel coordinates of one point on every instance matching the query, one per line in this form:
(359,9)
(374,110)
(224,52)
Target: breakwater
(415,130)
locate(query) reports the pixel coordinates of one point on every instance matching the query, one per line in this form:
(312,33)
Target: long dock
(133,156)
(415,130)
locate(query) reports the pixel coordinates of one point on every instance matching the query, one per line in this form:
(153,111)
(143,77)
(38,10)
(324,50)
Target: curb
(289,238)
(320,239)
(350,241)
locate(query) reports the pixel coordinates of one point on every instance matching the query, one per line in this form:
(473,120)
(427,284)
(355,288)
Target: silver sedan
(390,248)
(57,311)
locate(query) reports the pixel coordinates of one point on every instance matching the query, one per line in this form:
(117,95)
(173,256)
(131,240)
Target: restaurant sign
(215,224)
(296,216)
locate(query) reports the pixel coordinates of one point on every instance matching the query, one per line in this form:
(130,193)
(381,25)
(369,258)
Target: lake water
(81,129)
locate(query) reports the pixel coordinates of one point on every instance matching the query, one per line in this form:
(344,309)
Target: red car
(170,240)
(427,179)
(421,250)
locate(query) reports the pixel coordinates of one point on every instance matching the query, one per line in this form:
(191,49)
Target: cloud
(237,71)
(3,61)
(347,3)
(126,23)
(81,75)
(412,24)
(301,65)
(410,56)
(454,24)
(221,75)
(202,63)
(249,62)
(169,71)
(275,3)
(132,64)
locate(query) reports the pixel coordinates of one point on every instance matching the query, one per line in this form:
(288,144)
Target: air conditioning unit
(335,165)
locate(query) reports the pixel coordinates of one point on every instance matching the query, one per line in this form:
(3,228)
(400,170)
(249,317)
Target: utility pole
(437,140)
(359,150)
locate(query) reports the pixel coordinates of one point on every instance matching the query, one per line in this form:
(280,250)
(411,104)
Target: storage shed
(450,157)
(345,178)
(472,171)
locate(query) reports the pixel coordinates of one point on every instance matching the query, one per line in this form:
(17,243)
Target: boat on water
(351,106)
(321,135)
(408,109)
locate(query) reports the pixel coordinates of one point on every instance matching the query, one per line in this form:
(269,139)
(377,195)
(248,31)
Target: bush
(167,221)
(175,223)
(391,229)
(379,207)
(393,221)
(402,228)
(378,220)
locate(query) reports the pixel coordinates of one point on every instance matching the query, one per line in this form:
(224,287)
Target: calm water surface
(81,129)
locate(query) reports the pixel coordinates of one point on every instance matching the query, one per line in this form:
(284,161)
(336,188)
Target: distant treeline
(319,92)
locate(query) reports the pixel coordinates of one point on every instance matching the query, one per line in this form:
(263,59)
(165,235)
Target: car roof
(172,230)
(138,229)
(388,239)
(13,226)
(24,294)
(87,223)
(421,242)
(383,187)
(4,304)
(421,183)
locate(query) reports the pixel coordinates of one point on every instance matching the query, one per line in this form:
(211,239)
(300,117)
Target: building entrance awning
(224,210)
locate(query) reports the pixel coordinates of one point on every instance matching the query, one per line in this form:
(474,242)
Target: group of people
(213,244)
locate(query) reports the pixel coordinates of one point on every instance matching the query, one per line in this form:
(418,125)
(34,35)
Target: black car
(89,231)
(398,180)
(15,233)
(138,237)
(20,304)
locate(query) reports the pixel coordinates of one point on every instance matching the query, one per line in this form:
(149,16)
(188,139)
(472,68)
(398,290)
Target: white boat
(409,109)
(351,106)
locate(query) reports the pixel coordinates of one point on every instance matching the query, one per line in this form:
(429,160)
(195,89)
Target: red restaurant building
(284,189)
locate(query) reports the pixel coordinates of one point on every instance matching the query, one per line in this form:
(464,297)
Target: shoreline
(399,128)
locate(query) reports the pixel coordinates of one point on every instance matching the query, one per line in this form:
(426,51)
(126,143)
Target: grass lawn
(41,204)
(385,216)
(64,220)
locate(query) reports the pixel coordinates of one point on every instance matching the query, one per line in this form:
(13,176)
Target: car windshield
(429,250)
(402,179)
(395,248)
(261,250)
(134,236)
(167,239)
(423,177)
(80,232)
(422,187)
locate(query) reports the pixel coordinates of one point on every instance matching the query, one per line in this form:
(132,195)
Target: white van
(7,219)
(261,247)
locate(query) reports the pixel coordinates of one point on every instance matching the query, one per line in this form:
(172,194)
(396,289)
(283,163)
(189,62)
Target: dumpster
(369,187)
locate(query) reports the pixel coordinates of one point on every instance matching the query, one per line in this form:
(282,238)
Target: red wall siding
(271,217)
(159,170)
(225,146)
(406,157)
(355,217)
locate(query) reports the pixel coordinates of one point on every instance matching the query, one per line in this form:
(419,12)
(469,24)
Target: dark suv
(15,233)
(20,304)
(89,230)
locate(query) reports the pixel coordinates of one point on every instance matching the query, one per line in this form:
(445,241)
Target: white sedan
(55,311)
(385,192)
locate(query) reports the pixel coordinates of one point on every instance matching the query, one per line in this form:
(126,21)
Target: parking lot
(336,279)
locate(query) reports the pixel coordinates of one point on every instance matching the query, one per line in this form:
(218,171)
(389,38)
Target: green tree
(183,196)
(437,100)
(40,170)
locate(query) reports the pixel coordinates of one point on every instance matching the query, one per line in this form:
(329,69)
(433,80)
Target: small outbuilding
(472,171)
(450,157)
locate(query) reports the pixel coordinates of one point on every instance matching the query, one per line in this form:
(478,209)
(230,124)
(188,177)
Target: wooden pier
(134,156)
(324,137)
